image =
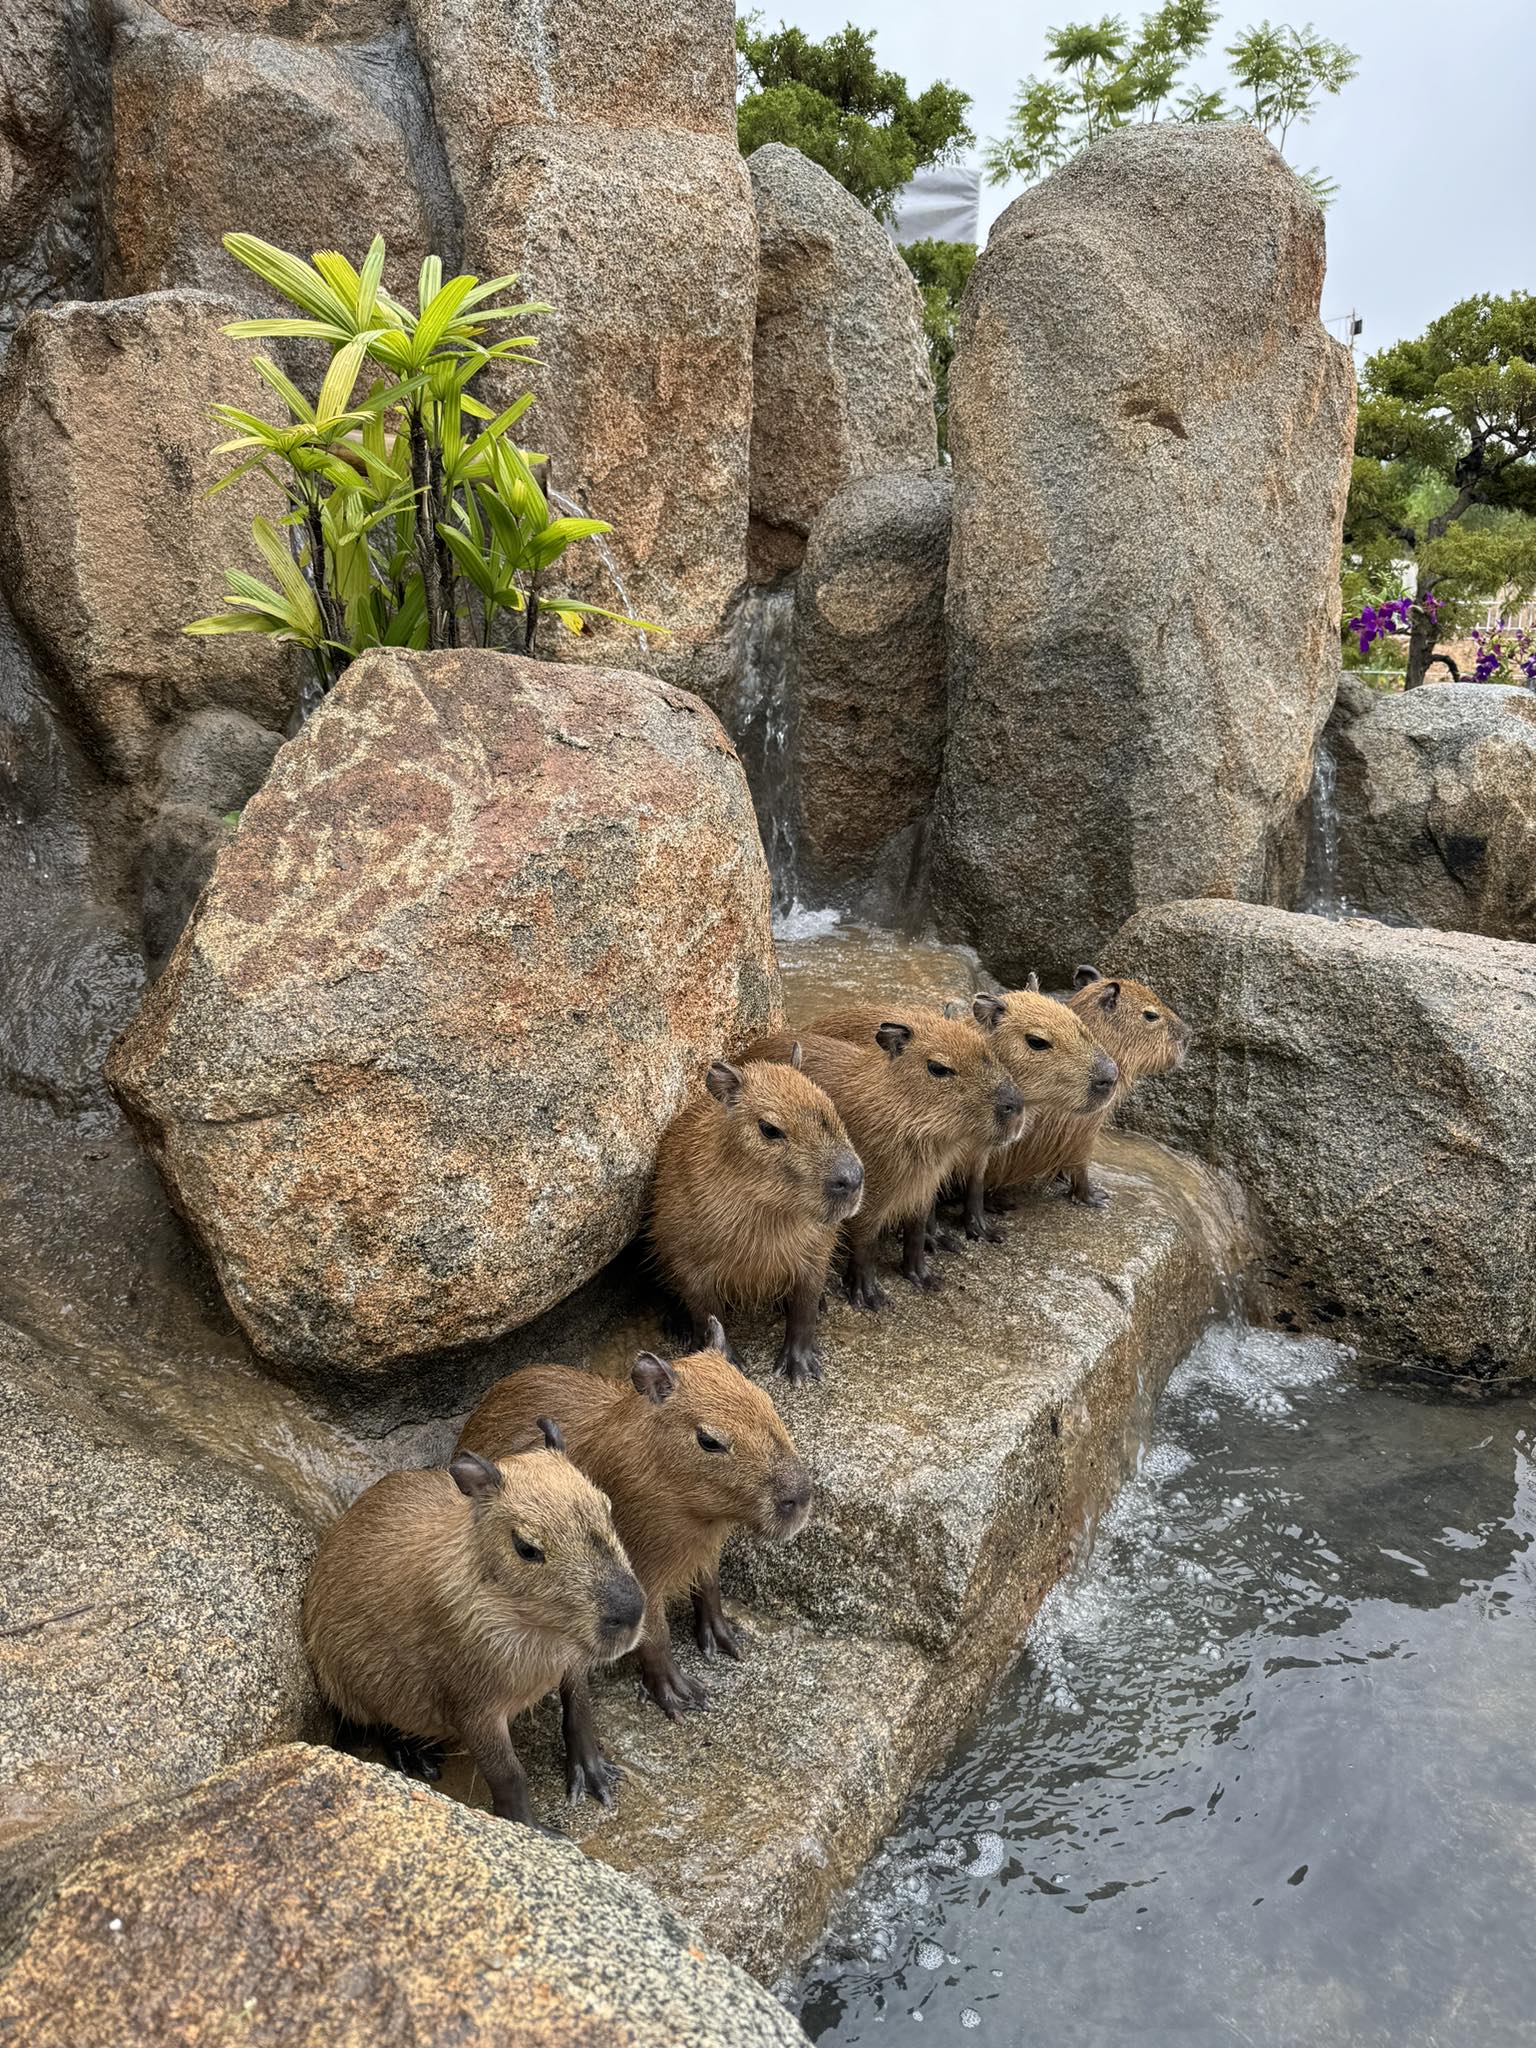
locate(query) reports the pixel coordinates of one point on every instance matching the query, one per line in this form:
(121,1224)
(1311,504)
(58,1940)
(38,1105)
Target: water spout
(1320,881)
(758,714)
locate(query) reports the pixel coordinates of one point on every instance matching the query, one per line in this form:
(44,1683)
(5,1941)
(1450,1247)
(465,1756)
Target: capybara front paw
(800,1363)
(590,1775)
(1091,1197)
(675,1693)
(716,1636)
(415,1755)
(865,1292)
(980,1231)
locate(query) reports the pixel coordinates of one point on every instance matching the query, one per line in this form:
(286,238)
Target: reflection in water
(1265,1774)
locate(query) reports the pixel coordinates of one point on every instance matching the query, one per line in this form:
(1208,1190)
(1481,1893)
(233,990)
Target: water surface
(1267,1772)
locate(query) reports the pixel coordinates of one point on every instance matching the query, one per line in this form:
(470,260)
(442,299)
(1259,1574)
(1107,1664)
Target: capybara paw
(416,1756)
(590,1776)
(676,1694)
(718,1637)
(799,1363)
(1092,1198)
(927,1282)
(980,1231)
(868,1294)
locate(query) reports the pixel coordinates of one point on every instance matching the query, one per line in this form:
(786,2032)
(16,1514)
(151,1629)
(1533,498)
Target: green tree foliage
(1444,474)
(403,526)
(941,270)
(1103,76)
(832,102)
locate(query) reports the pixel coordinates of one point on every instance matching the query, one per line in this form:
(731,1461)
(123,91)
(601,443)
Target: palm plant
(404,527)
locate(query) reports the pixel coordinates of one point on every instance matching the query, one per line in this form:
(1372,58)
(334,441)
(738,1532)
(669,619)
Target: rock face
(209,768)
(322,1899)
(869,690)
(1150,477)
(596,156)
(1374,1091)
(343,138)
(52,117)
(150,1607)
(1436,806)
(112,543)
(841,384)
(473,941)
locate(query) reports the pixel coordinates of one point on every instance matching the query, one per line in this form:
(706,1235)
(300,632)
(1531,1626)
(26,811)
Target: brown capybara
(753,1180)
(445,1602)
(686,1453)
(1065,1075)
(1142,1036)
(921,1095)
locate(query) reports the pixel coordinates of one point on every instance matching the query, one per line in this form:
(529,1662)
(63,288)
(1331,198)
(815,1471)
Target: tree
(1444,476)
(832,102)
(941,270)
(1106,77)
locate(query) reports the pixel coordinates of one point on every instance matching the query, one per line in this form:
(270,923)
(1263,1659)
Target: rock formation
(1435,798)
(316,1898)
(868,651)
(1151,449)
(479,931)
(1375,1091)
(841,384)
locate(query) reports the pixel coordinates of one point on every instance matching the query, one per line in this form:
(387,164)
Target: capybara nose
(1103,1074)
(846,1177)
(620,1605)
(792,1502)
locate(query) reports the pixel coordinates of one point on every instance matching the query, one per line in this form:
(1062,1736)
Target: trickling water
(1263,1774)
(606,556)
(1320,883)
(757,713)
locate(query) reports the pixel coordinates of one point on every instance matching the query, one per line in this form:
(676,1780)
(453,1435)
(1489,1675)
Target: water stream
(757,714)
(1264,1774)
(1320,880)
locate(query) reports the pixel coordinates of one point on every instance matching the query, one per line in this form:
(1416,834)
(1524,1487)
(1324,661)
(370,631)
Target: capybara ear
(715,1339)
(989,1011)
(894,1038)
(954,1010)
(723,1081)
(797,1056)
(1033,983)
(549,1429)
(1110,995)
(473,1475)
(652,1376)
(1083,975)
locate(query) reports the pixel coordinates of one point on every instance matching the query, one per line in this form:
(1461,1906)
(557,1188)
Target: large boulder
(869,697)
(310,146)
(52,144)
(471,945)
(151,1606)
(1435,800)
(1375,1091)
(596,157)
(209,769)
(841,386)
(307,1897)
(1151,435)
(112,543)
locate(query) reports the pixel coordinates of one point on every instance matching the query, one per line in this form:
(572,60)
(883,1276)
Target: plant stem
(426,539)
(445,571)
(330,617)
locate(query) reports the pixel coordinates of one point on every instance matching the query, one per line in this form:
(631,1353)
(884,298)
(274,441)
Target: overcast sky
(1433,145)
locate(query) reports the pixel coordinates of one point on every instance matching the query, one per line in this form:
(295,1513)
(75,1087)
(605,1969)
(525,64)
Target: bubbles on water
(991,1854)
(929,1956)
(1258,1369)
(800,922)
(969,2016)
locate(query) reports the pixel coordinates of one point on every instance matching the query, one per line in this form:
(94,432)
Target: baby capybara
(445,1602)
(1142,1035)
(686,1453)
(1065,1076)
(921,1095)
(753,1180)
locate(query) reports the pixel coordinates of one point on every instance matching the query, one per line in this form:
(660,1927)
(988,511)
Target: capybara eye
(530,1553)
(707,1442)
(1150,1015)
(938,1070)
(769,1130)
(1036,1043)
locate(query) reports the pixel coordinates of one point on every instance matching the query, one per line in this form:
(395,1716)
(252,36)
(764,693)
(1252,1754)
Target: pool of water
(1267,1771)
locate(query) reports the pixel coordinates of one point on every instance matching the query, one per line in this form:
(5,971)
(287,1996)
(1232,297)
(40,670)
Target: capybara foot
(416,1755)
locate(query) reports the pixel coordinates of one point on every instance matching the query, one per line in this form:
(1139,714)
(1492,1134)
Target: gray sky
(1433,145)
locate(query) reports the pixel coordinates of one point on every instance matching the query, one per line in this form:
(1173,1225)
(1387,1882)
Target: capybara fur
(445,1602)
(686,1453)
(753,1180)
(921,1095)
(1069,1080)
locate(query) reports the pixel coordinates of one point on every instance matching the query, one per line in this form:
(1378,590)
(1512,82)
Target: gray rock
(180,846)
(1151,445)
(53,147)
(216,760)
(841,386)
(869,693)
(323,1899)
(308,146)
(209,767)
(1375,1092)
(105,440)
(1436,806)
(150,1610)
(472,942)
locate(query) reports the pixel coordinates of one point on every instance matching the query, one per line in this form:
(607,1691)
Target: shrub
(407,524)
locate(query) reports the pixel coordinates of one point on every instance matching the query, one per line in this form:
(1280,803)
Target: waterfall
(604,554)
(758,715)
(1320,881)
